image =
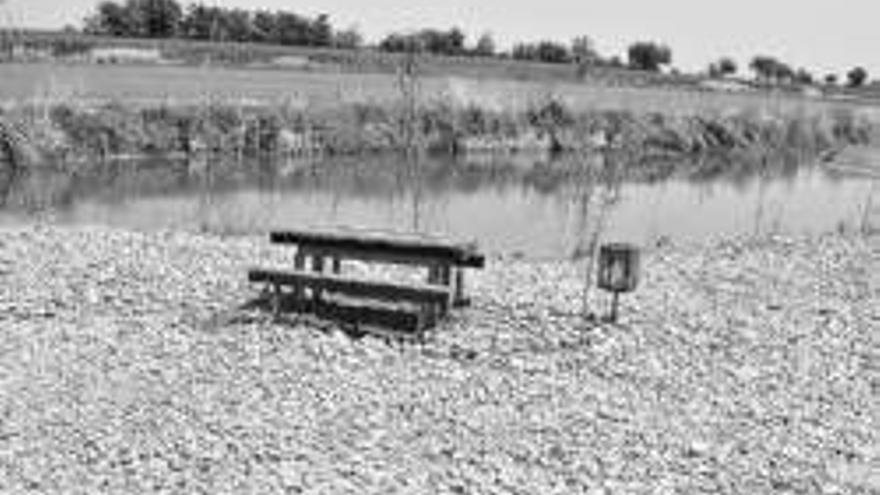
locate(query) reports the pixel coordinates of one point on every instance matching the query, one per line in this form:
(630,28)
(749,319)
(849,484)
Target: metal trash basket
(618,271)
(618,267)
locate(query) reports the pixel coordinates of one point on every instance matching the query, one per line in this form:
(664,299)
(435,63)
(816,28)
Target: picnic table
(320,253)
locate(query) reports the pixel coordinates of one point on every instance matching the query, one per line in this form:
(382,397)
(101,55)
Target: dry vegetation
(133,111)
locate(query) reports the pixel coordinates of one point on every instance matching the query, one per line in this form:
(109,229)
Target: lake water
(528,206)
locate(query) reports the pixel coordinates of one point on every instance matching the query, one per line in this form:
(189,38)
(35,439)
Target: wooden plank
(394,257)
(373,246)
(343,234)
(357,287)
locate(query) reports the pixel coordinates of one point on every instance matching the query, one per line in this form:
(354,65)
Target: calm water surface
(524,205)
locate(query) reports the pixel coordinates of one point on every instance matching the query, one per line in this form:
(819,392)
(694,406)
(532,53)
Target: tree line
(772,70)
(170,19)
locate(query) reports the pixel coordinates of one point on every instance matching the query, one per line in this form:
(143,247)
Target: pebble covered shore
(740,366)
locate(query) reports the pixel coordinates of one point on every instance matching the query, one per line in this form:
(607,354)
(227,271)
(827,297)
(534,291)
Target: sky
(824,37)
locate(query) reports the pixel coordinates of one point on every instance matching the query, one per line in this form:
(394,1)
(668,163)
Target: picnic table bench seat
(419,293)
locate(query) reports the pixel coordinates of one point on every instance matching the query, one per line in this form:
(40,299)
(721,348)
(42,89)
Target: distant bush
(550,115)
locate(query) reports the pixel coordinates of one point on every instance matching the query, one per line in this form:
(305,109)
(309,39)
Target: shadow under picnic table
(353,317)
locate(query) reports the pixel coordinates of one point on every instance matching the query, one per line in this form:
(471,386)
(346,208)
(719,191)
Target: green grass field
(321,89)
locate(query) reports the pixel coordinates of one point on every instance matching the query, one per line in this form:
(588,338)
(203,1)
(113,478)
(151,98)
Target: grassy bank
(76,131)
(75,48)
(740,366)
(321,88)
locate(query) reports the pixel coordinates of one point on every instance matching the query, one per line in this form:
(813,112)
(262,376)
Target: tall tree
(648,55)
(583,51)
(320,32)
(111,19)
(856,77)
(143,18)
(156,18)
(727,66)
(485,45)
(200,22)
(292,29)
(348,38)
(770,69)
(803,76)
(237,25)
(265,27)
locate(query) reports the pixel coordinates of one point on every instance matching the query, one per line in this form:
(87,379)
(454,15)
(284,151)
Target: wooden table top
(462,253)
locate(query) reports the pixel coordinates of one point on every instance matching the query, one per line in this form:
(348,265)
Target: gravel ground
(741,366)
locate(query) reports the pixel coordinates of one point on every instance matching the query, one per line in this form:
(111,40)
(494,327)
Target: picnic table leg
(337,266)
(276,300)
(317,266)
(459,299)
(318,263)
(446,281)
(299,263)
(428,316)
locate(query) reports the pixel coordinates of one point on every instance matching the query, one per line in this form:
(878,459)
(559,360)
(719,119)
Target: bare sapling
(409,85)
(598,190)
(871,212)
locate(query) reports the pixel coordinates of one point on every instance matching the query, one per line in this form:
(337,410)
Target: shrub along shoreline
(75,131)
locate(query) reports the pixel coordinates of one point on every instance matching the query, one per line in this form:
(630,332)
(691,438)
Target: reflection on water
(527,205)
